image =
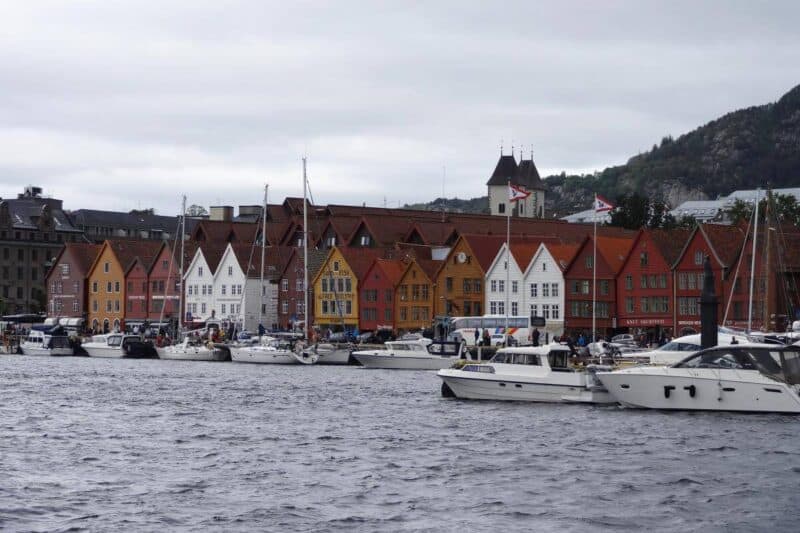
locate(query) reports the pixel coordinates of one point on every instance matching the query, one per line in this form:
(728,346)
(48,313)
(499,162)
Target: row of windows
(300,308)
(419,292)
(330,307)
(110,305)
(370,313)
(648,304)
(549,311)
(583,309)
(467,308)
(208,290)
(298,285)
(549,290)
(417,313)
(235,309)
(652,281)
(109,287)
(21,273)
(337,285)
(690,280)
(57,307)
(469,285)
(584,287)
(56,287)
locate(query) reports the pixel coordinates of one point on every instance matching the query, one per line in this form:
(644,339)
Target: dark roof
(505,170)
(137,220)
(27,212)
(83,254)
(528,176)
(670,242)
(128,251)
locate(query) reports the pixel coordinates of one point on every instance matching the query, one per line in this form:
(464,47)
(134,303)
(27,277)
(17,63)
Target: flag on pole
(516,192)
(601,205)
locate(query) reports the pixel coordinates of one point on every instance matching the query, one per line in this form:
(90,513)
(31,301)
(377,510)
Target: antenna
(444,200)
(501,146)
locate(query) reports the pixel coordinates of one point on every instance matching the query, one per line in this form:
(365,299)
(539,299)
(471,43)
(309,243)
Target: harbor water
(145,445)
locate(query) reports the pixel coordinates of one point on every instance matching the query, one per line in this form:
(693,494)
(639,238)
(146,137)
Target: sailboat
(268,350)
(191,348)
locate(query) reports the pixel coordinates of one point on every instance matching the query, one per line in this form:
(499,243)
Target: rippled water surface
(147,444)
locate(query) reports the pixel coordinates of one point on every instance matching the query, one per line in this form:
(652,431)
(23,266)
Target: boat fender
(692,390)
(447,392)
(667,389)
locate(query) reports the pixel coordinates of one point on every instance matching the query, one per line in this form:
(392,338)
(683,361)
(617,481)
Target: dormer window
(365,240)
(230,271)
(336,266)
(200,271)
(332,240)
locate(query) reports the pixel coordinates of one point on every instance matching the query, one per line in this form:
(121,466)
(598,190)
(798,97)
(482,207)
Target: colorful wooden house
(66,280)
(377,294)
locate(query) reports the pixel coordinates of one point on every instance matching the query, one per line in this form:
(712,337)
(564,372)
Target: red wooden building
(722,243)
(611,252)
(291,314)
(376,294)
(645,282)
(136,290)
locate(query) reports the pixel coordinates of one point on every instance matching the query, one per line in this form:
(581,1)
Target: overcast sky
(120,105)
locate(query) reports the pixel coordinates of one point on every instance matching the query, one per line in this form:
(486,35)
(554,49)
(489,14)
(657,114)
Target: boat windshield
(790,361)
(511,358)
(114,340)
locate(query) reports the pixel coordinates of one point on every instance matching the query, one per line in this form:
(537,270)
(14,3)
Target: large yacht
(46,340)
(529,373)
(740,377)
(681,347)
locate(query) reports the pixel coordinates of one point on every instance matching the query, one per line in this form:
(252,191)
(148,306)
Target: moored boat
(189,350)
(118,345)
(412,354)
(529,373)
(270,351)
(746,377)
(46,340)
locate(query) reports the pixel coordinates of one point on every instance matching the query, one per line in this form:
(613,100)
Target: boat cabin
(555,357)
(406,346)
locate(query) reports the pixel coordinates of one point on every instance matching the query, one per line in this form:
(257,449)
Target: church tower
(523,174)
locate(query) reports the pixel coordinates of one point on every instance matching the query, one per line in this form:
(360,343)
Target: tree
(631,212)
(783,208)
(195,210)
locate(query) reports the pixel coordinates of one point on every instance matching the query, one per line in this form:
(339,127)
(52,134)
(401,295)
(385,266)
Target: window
(116,286)
(200,272)
(544,267)
(203,289)
(476,285)
(546,311)
(514,308)
(388,296)
(514,288)
(285,285)
(662,281)
(336,266)
(545,290)
(223,290)
(643,259)
(449,284)
(501,208)
(466,285)
(230,271)
(628,304)
(75,287)
(210,288)
(298,285)
(285,307)
(501,308)
(492,308)
(501,286)
(698,257)
(94,286)
(348,305)
(164,264)
(589,261)
(108,287)
(324,307)
(534,310)
(365,240)
(75,306)
(106,267)
(202,308)
(64,268)
(643,281)
(555,312)
(348,285)
(554,290)
(94,305)
(494,285)
(645,305)
(585,287)
(130,305)
(653,281)
(387,314)
(604,285)
(534,290)
(628,282)
(692,279)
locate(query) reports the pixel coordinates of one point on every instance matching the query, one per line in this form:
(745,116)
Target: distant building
(700,210)
(524,175)
(589,216)
(138,224)
(32,231)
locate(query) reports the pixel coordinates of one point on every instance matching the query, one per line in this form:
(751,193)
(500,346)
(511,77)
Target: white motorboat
(191,349)
(678,349)
(528,373)
(118,345)
(46,341)
(270,351)
(742,377)
(415,354)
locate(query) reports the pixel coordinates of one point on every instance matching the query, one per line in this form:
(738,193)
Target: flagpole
(508,260)
(594,274)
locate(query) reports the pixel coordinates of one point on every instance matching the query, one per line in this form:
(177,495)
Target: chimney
(223,213)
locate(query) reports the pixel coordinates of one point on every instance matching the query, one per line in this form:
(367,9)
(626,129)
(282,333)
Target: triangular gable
(106,244)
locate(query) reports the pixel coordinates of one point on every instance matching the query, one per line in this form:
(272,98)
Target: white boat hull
(687,389)
(271,357)
(507,388)
(32,350)
(403,362)
(178,353)
(109,353)
(330,356)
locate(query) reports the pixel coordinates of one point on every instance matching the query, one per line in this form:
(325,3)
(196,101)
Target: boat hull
(403,362)
(31,350)
(508,389)
(181,354)
(687,390)
(330,355)
(271,357)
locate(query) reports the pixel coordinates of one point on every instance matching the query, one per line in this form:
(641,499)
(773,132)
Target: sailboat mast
(263,248)
(182,227)
(765,313)
(306,325)
(753,265)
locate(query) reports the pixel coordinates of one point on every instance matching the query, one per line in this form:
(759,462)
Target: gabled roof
(523,253)
(249,258)
(563,253)
(360,259)
(670,242)
(725,240)
(410,251)
(614,250)
(83,254)
(126,251)
(219,232)
(505,170)
(430,267)
(212,253)
(392,268)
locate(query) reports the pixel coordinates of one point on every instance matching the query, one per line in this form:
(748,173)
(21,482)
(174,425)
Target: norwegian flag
(601,205)
(516,192)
